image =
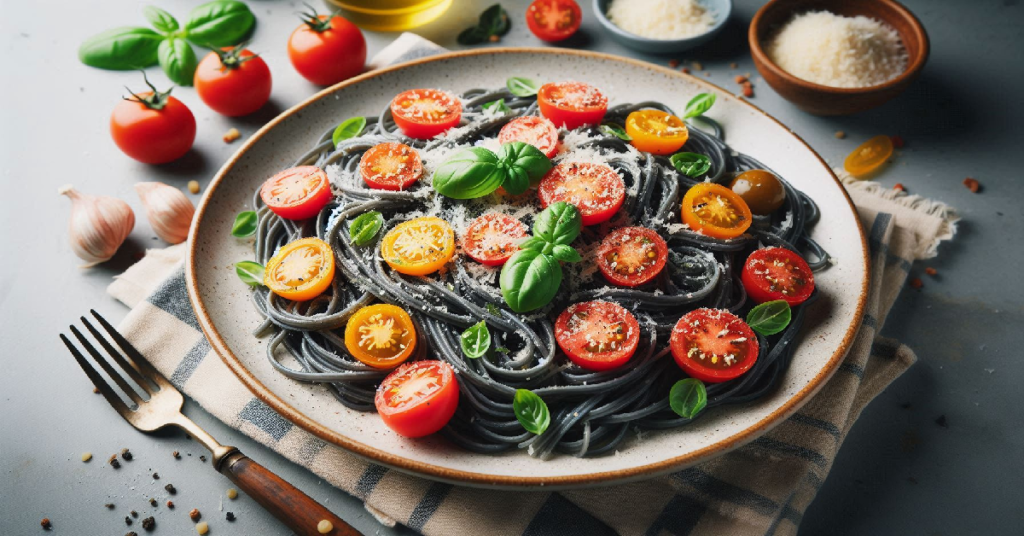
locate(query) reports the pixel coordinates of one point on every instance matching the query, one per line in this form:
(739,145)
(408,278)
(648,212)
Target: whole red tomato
(233,81)
(153,127)
(326,50)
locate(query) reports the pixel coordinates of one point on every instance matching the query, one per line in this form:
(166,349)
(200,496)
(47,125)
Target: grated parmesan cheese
(837,51)
(661,19)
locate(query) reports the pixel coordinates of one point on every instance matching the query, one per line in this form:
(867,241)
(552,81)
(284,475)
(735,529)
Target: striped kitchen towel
(733,494)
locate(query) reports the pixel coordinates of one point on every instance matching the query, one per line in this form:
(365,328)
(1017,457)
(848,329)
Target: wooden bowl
(826,100)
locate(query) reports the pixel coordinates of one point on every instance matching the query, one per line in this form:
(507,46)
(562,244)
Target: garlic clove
(98,225)
(168,210)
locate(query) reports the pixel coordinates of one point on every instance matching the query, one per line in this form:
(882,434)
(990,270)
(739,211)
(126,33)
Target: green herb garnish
(612,129)
(493,24)
(770,318)
(531,411)
(475,340)
(245,224)
(522,87)
(499,104)
(503,350)
(477,171)
(493,309)
(691,164)
(251,273)
(365,227)
(531,277)
(349,128)
(699,105)
(688,397)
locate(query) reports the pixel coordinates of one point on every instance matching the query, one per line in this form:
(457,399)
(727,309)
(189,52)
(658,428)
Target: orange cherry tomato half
(326,51)
(597,335)
(297,193)
(713,345)
(237,84)
(381,335)
(656,132)
(595,189)
(418,398)
(536,131)
(631,256)
(492,238)
(572,104)
(390,166)
(425,113)
(777,274)
(553,20)
(419,247)
(153,133)
(302,270)
(715,211)
(869,156)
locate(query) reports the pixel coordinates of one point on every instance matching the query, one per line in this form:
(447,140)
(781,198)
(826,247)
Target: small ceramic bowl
(826,100)
(720,8)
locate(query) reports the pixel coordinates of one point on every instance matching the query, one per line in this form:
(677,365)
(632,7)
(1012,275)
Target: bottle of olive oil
(390,15)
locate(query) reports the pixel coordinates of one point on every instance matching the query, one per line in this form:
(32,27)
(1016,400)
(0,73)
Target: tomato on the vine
(327,49)
(233,81)
(153,127)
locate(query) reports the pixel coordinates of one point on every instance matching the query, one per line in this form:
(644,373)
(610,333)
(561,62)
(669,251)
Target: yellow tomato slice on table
(869,156)
(381,336)
(301,270)
(715,211)
(656,132)
(419,247)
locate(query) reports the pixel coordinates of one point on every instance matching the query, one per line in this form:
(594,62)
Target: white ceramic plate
(227,316)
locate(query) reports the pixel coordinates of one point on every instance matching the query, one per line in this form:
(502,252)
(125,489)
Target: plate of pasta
(529,267)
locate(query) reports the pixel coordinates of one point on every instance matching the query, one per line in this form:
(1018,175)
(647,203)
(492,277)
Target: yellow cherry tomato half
(656,132)
(715,211)
(381,336)
(419,247)
(869,156)
(301,270)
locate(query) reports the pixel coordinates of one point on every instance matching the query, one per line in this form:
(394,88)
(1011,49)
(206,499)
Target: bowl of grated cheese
(663,26)
(835,57)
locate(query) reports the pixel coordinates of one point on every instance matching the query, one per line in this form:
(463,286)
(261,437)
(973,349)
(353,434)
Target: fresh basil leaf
(251,273)
(533,243)
(178,60)
(160,19)
(560,223)
(526,157)
(121,49)
(699,104)
(522,87)
(503,350)
(691,164)
(611,129)
(219,23)
(245,224)
(494,20)
(531,411)
(365,227)
(472,36)
(349,128)
(471,173)
(493,309)
(565,253)
(688,397)
(476,340)
(517,181)
(499,104)
(529,280)
(770,318)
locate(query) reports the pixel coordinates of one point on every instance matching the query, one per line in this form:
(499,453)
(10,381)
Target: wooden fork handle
(289,505)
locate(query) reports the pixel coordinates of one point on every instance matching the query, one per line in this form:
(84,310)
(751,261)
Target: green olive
(761,189)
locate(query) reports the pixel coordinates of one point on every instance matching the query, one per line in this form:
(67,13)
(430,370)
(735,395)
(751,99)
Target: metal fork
(161,407)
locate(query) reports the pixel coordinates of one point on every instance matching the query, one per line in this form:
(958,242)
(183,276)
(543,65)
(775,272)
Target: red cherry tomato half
(297,193)
(596,189)
(390,166)
(326,52)
(418,398)
(713,345)
(553,20)
(238,84)
(777,274)
(492,238)
(425,113)
(154,133)
(631,256)
(597,335)
(572,104)
(536,131)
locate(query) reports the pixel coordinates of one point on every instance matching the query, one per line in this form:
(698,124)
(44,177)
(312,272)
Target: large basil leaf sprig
(213,24)
(477,171)
(530,279)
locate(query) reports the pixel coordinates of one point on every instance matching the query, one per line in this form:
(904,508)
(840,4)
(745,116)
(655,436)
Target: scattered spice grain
(673,63)
(134,513)
(127,520)
(45,523)
(176,454)
(941,421)
(152,501)
(840,135)
(972,184)
(916,283)
(232,493)
(110,506)
(170,504)
(126,454)
(86,456)
(202,459)
(156,476)
(899,187)
(931,271)
(230,516)
(231,135)
(897,141)
(193,187)
(171,489)
(194,515)
(202,528)
(324,526)
(733,65)
(149,524)
(698,66)
(740,79)
(685,70)
(748,90)
(113,462)
(132,533)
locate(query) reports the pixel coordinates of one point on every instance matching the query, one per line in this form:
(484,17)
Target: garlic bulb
(169,211)
(98,226)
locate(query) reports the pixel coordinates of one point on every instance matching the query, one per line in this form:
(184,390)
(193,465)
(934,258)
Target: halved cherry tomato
(381,335)
(418,398)
(760,189)
(869,156)
(327,49)
(419,247)
(492,238)
(233,82)
(302,270)
(553,20)
(153,127)
(390,166)
(631,256)
(716,211)
(596,189)
(572,104)
(656,132)
(777,274)
(536,131)
(597,335)
(425,113)
(297,193)
(713,345)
